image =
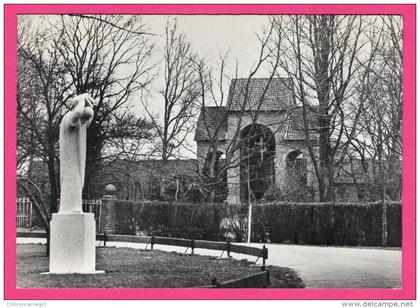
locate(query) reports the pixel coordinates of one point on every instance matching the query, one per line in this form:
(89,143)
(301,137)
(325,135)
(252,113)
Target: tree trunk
(322,39)
(212,194)
(164,150)
(52,179)
(384,222)
(93,160)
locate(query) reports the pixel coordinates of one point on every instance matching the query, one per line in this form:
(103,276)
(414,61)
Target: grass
(135,268)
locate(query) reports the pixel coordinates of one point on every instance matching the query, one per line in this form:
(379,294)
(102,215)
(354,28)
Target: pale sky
(210,35)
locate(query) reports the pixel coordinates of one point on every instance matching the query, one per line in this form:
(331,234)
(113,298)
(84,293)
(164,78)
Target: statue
(72,232)
(73,153)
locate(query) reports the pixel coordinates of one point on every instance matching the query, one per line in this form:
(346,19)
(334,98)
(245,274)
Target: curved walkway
(340,267)
(319,267)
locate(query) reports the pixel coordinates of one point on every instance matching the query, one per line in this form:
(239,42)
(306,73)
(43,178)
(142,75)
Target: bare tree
(42,94)
(180,93)
(320,55)
(379,135)
(131,140)
(213,93)
(107,56)
(81,56)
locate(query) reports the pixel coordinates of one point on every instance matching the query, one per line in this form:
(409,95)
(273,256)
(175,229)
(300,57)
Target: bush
(349,224)
(183,220)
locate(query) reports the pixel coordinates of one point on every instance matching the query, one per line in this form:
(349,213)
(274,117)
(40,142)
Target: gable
(259,94)
(295,127)
(210,120)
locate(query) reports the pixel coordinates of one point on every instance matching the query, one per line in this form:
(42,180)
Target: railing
(152,241)
(93,206)
(258,280)
(23,213)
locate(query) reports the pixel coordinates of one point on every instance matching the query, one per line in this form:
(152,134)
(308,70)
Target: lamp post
(249,204)
(249,221)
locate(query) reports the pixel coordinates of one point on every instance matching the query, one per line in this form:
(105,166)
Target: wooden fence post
(264,256)
(105,238)
(152,242)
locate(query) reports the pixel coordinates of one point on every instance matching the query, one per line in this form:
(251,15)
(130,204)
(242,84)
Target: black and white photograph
(209,151)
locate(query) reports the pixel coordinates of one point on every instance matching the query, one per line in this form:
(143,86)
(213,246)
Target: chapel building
(262,128)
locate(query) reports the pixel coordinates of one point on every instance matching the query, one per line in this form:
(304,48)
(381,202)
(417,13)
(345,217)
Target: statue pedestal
(72,245)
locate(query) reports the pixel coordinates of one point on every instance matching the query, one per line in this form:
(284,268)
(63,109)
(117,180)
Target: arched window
(258,149)
(218,159)
(296,168)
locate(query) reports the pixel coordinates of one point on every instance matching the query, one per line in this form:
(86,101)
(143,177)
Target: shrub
(349,224)
(184,220)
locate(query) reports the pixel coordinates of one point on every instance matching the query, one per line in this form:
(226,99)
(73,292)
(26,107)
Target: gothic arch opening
(257,152)
(296,168)
(217,165)
(216,173)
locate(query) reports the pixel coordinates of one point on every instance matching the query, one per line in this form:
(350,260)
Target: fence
(257,280)
(93,206)
(152,241)
(23,213)
(24,218)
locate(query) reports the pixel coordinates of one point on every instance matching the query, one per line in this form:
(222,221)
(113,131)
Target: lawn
(135,268)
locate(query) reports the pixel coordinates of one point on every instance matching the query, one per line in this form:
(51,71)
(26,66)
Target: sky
(209,36)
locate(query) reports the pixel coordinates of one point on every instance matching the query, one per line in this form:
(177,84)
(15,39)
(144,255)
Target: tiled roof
(360,178)
(146,168)
(295,128)
(351,172)
(248,94)
(209,120)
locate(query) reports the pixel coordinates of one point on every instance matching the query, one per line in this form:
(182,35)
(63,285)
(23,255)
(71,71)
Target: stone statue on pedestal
(72,232)
(73,153)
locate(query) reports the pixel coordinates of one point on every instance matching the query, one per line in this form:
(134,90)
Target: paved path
(319,267)
(339,267)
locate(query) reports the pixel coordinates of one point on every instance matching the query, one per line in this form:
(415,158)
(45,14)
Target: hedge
(348,224)
(183,220)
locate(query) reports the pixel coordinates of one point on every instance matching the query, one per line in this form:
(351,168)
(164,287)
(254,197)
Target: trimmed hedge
(182,220)
(349,224)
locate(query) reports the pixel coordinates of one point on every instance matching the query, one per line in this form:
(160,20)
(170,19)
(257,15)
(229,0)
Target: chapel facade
(261,127)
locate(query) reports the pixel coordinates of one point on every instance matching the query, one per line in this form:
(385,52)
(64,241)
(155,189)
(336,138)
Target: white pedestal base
(72,246)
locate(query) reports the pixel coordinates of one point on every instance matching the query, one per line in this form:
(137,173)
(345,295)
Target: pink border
(409,119)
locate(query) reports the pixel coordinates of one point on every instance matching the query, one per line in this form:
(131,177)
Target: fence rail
(258,280)
(227,247)
(23,213)
(93,206)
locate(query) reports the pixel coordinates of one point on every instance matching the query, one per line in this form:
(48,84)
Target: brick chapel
(272,146)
